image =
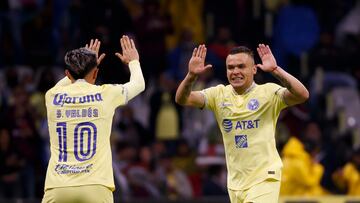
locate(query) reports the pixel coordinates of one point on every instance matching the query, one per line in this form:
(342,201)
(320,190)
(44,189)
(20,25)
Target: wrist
(274,69)
(134,61)
(191,76)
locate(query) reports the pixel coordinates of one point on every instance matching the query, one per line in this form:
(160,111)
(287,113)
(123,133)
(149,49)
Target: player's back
(80,118)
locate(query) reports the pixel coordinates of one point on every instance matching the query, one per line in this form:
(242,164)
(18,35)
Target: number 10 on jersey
(84,149)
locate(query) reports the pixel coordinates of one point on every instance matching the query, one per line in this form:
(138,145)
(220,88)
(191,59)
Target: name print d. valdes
(63,98)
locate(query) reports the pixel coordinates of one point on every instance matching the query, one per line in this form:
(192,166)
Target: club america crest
(253,104)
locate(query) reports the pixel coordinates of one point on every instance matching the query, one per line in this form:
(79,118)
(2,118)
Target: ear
(254,69)
(67,73)
(95,73)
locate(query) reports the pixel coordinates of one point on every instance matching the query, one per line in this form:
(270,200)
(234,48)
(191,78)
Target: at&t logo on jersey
(227,124)
(240,125)
(253,104)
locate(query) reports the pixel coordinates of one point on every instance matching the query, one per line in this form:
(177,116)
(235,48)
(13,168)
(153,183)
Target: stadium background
(161,151)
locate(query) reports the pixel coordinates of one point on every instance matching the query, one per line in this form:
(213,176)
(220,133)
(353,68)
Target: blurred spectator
(302,173)
(151,29)
(140,173)
(11,44)
(165,122)
(176,182)
(124,155)
(214,183)
(10,166)
(186,15)
(218,49)
(296,31)
(179,56)
(38,38)
(349,25)
(131,130)
(185,158)
(20,121)
(223,42)
(348,177)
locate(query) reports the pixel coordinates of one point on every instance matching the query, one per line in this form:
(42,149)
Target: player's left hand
(95,46)
(268,60)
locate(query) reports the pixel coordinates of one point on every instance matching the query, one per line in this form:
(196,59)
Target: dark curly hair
(80,62)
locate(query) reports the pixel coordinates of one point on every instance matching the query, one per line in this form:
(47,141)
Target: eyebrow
(236,65)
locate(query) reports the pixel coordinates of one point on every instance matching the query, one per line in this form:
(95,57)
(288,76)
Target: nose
(236,70)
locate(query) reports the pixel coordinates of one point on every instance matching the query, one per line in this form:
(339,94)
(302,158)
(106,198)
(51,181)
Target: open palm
(267,58)
(95,46)
(197,61)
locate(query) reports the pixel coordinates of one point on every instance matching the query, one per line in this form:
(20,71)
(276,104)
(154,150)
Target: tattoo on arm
(283,81)
(186,90)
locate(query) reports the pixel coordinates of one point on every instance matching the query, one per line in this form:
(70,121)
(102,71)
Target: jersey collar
(80,80)
(252,86)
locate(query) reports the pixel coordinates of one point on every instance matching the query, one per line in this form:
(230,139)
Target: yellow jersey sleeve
(118,94)
(210,95)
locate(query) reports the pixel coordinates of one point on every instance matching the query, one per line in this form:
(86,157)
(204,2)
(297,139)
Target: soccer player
(80,116)
(246,113)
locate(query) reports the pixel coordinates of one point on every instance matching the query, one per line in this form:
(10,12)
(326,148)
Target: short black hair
(80,62)
(241,49)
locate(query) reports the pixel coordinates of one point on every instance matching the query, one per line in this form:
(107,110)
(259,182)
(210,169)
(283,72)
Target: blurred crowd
(161,150)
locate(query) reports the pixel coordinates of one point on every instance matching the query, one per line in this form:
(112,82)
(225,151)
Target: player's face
(240,71)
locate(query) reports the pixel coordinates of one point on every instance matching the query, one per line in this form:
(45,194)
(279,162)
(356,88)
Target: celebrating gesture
(129,51)
(77,174)
(267,58)
(95,46)
(197,61)
(247,115)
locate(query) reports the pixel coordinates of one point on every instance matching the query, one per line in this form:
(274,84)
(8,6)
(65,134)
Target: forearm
(298,91)
(184,89)
(137,83)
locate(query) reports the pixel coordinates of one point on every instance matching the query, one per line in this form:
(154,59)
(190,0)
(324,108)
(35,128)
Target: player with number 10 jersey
(80,128)
(80,117)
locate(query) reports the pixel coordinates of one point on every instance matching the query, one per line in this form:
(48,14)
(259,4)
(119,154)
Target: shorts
(79,194)
(264,192)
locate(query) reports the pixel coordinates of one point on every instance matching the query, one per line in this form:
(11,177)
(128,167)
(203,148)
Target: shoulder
(52,90)
(269,88)
(217,88)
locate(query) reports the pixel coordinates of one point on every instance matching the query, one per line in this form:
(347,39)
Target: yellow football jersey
(80,118)
(248,123)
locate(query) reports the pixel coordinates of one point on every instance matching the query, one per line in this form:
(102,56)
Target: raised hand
(197,61)
(268,60)
(95,46)
(129,51)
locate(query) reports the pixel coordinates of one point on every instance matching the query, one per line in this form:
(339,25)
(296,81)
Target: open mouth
(237,79)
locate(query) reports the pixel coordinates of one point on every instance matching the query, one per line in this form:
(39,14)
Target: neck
(246,89)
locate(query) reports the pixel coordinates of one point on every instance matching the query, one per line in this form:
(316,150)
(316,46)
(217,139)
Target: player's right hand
(129,51)
(94,46)
(197,61)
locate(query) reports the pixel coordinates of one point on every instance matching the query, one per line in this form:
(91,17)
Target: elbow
(305,96)
(302,97)
(179,101)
